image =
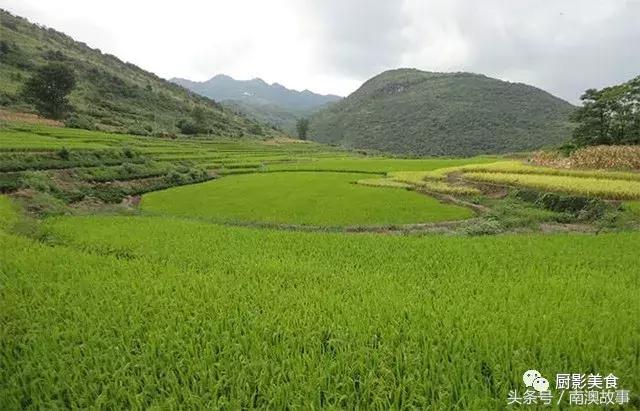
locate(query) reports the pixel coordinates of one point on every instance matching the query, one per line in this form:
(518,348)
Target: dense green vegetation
(271,104)
(420,113)
(109,303)
(110,94)
(140,312)
(304,198)
(609,116)
(74,166)
(48,89)
(302,128)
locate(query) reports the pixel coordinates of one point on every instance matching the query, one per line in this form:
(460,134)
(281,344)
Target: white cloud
(332,46)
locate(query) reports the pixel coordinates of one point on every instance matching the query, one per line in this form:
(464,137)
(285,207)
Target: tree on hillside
(199,117)
(302,127)
(609,116)
(187,126)
(49,87)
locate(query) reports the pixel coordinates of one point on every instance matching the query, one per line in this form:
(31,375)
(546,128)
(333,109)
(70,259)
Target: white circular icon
(529,376)
(540,384)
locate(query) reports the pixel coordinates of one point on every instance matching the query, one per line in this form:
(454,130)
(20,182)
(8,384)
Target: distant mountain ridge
(408,111)
(268,103)
(222,87)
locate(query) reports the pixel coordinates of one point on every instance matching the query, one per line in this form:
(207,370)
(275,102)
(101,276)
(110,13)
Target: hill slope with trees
(412,112)
(109,94)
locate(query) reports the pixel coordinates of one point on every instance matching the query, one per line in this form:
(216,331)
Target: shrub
(483,227)
(187,127)
(548,201)
(44,204)
(109,194)
(572,204)
(128,152)
(37,180)
(182,169)
(594,210)
(581,208)
(256,129)
(9,182)
(138,131)
(197,174)
(565,218)
(64,153)
(165,134)
(530,196)
(80,122)
(128,168)
(175,178)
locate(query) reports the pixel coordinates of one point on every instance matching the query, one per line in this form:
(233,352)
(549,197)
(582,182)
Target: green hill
(408,111)
(110,95)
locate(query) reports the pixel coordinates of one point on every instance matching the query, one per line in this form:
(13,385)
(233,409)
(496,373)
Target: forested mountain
(408,111)
(109,94)
(268,103)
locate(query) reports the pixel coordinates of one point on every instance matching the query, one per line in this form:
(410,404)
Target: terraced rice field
(175,307)
(595,187)
(619,185)
(300,198)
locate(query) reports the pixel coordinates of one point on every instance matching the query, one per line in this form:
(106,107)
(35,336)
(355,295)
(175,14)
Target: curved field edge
(301,198)
(143,312)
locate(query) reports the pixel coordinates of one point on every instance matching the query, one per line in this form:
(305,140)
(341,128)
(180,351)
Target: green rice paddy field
(180,307)
(138,312)
(302,198)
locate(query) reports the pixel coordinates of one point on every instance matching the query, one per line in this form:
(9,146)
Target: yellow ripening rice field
(517,167)
(421,180)
(597,187)
(383,182)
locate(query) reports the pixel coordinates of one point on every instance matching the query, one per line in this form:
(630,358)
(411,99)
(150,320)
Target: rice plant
(300,198)
(597,187)
(159,312)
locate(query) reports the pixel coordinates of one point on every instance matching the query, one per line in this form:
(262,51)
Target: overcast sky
(332,46)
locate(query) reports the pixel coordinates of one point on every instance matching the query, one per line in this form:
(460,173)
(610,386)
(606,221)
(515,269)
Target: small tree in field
(302,126)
